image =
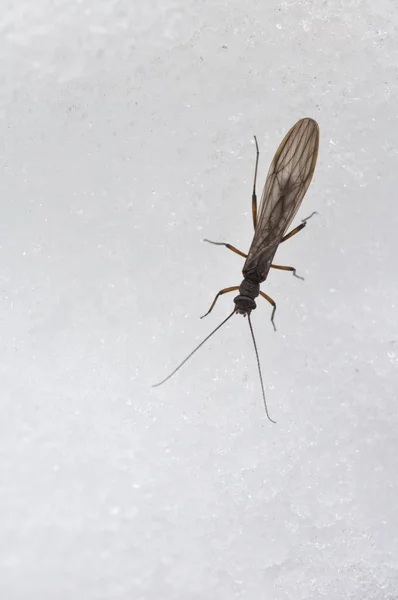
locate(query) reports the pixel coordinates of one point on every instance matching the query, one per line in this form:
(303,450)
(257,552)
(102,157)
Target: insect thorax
(248,290)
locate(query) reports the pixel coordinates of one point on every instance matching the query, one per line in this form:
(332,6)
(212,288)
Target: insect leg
(228,246)
(220,293)
(273,303)
(289,235)
(298,228)
(254,195)
(287,269)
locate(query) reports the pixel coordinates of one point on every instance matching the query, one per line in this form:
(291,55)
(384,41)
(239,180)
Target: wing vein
(287,181)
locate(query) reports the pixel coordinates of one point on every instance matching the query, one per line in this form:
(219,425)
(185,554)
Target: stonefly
(287,181)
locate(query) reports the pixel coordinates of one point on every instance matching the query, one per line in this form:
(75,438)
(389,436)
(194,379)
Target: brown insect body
(248,291)
(287,181)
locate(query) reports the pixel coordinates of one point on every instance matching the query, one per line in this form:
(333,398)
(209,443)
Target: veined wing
(287,181)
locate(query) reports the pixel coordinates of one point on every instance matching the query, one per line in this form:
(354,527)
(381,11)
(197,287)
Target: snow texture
(126,138)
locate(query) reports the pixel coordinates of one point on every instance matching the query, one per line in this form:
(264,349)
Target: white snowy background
(126,138)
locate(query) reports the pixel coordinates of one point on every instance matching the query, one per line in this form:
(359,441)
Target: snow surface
(126,138)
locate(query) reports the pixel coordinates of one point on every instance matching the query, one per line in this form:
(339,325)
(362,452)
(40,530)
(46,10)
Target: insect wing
(287,181)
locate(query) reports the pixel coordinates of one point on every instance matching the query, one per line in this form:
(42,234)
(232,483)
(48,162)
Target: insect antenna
(259,368)
(196,349)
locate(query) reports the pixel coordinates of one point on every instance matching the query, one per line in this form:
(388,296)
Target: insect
(287,181)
